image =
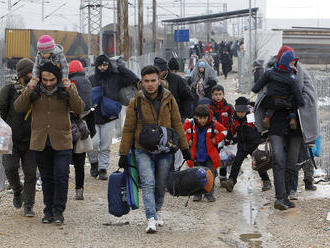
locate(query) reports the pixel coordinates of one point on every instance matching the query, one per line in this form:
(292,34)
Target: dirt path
(243,218)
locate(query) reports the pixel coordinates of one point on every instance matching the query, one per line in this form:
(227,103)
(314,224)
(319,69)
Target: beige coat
(50,117)
(169,116)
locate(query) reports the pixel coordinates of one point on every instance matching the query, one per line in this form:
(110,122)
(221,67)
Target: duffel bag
(117,198)
(196,180)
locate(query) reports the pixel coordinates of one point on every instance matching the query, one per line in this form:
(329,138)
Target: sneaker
(160,221)
(223,182)
(266,185)
(79,194)
(17,200)
(58,218)
(289,203)
(230,185)
(197,198)
(28,212)
(48,218)
(280,205)
(210,198)
(103,174)
(94,169)
(152,225)
(293,195)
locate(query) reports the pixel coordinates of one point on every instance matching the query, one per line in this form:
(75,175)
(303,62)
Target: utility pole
(225,22)
(100,28)
(250,43)
(122,27)
(94,24)
(114,29)
(9,4)
(207,23)
(140,27)
(42,10)
(154,27)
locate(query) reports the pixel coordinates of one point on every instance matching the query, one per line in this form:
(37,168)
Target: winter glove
(186,155)
(123,162)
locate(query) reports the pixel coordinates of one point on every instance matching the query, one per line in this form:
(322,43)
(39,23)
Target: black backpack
(157,139)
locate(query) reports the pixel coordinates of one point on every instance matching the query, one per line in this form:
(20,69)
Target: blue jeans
(153,172)
(54,171)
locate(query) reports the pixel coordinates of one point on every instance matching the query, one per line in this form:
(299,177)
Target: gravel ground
(243,218)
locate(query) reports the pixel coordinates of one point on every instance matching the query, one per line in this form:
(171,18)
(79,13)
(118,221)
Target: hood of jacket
(286,59)
(209,73)
(58,49)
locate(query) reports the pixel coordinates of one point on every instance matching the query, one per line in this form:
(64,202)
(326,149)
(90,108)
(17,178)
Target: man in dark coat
(21,129)
(177,86)
(109,84)
(226,62)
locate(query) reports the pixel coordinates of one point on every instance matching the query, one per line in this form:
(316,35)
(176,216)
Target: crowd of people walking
(58,116)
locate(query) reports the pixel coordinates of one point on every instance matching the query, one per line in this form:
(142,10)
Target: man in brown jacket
(51,136)
(158,106)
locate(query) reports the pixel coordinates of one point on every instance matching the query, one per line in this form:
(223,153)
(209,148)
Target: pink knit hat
(46,44)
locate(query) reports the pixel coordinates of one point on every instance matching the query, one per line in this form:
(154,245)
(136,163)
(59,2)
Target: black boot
(94,169)
(17,200)
(309,185)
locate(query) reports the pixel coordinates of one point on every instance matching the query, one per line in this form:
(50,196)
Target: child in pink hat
(48,51)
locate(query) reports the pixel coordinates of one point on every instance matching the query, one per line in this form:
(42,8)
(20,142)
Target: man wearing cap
(177,86)
(51,135)
(21,131)
(105,94)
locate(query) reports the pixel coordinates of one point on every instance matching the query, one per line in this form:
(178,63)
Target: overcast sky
(67,17)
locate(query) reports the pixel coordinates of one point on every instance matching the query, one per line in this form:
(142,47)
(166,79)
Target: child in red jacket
(224,114)
(203,135)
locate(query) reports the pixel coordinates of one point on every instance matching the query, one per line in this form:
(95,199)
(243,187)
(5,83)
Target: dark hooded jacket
(84,87)
(280,118)
(181,92)
(20,123)
(281,81)
(226,62)
(248,136)
(111,84)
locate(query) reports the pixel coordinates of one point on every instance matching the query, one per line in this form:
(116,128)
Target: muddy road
(243,218)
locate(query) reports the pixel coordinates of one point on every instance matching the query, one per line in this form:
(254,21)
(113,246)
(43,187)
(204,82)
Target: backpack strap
(139,108)
(192,124)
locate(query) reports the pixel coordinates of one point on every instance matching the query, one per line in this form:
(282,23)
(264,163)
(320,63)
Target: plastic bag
(227,154)
(6,142)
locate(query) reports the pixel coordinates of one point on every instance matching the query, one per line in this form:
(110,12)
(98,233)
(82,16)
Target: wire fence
(321,83)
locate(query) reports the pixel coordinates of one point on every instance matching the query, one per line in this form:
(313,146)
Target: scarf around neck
(48,92)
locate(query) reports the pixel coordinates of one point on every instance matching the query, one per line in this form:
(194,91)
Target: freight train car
(22,43)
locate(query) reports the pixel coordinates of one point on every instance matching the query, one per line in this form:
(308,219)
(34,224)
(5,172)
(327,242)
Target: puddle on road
(249,238)
(250,212)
